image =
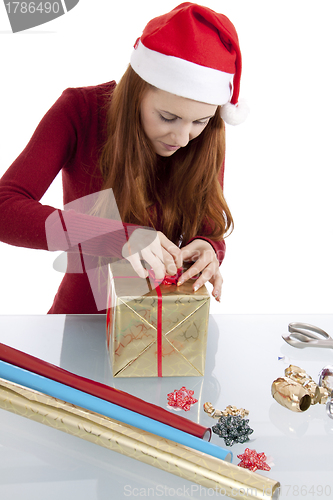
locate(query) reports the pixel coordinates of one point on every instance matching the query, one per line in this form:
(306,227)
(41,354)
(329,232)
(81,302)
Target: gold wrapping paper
(291,394)
(228,479)
(132,328)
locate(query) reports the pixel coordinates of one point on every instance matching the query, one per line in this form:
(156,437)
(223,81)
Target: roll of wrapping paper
(189,464)
(79,398)
(36,365)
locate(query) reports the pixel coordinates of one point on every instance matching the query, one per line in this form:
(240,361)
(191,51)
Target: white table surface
(38,462)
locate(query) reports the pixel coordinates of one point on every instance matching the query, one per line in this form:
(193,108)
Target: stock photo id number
(25,15)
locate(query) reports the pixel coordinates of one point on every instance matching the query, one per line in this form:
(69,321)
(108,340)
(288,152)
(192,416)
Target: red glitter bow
(167,280)
(181,399)
(253,461)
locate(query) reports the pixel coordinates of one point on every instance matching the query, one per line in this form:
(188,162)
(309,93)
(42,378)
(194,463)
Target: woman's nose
(182,135)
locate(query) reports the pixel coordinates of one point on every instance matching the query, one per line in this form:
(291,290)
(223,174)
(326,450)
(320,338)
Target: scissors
(304,335)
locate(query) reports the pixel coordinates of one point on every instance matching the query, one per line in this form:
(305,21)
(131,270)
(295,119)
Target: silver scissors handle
(305,335)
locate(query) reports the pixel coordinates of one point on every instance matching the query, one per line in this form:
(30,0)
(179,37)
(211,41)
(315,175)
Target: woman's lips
(169,147)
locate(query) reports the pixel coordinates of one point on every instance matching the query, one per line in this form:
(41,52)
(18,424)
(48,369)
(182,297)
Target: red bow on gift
(168,279)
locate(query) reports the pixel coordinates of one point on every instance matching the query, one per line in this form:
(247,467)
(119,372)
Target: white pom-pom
(235,114)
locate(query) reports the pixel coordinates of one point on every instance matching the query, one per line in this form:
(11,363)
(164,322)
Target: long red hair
(178,195)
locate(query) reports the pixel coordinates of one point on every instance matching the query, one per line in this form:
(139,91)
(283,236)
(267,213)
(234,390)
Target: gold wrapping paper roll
(228,479)
(291,394)
(133,432)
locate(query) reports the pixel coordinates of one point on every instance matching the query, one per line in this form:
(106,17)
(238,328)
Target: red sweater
(68,138)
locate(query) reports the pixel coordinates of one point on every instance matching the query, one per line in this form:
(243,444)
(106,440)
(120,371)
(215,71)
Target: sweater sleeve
(52,148)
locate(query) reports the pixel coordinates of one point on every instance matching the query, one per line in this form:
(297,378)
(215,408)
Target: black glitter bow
(233,429)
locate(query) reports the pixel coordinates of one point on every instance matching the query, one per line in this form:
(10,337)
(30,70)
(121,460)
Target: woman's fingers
(140,238)
(136,263)
(205,259)
(163,256)
(154,262)
(217,282)
(172,256)
(209,273)
(205,263)
(200,266)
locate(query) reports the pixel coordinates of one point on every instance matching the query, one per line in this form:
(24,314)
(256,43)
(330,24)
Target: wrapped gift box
(155,331)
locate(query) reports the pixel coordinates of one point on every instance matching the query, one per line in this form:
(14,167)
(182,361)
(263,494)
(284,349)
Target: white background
(278,179)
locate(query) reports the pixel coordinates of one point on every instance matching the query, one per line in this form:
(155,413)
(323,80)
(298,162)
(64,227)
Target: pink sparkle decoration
(181,399)
(253,460)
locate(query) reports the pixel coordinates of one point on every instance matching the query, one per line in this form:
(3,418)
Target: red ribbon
(168,280)
(159,331)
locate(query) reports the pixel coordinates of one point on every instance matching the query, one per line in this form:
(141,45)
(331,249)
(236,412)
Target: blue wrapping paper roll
(92,403)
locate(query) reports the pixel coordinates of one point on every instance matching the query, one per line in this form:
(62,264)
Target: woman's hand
(206,262)
(156,249)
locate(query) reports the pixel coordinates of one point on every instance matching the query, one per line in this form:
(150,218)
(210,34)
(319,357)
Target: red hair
(176,195)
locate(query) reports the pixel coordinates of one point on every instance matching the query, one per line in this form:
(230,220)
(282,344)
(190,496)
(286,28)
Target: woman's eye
(167,119)
(163,118)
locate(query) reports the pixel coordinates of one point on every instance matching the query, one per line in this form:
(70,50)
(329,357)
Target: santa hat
(193,52)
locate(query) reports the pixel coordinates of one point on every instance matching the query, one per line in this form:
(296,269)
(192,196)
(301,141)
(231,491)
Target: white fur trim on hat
(234,114)
(181,77)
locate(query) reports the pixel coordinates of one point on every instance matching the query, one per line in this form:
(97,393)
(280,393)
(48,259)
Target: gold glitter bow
(229,410)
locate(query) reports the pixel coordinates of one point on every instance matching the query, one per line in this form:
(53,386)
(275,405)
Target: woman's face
(170,121)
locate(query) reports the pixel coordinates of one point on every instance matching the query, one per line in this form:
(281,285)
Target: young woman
(154,142)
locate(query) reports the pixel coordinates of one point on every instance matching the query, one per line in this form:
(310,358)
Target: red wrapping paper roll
(120,398)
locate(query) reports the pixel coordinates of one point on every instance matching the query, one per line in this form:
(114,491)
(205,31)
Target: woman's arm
(63,140)
(22,217)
